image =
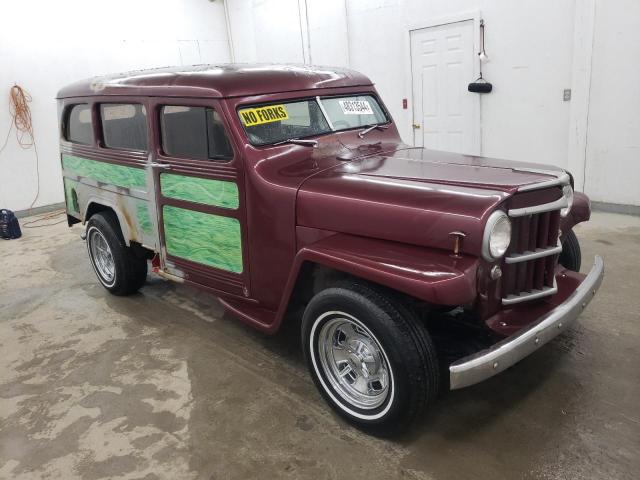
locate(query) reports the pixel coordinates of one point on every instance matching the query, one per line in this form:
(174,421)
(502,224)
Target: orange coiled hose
(19,107)
(19,100)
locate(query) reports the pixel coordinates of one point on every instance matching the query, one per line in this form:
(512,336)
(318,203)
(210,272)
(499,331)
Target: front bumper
(486,363)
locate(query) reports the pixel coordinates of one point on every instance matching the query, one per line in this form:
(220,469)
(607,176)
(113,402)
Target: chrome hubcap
(354,362)
(102,256)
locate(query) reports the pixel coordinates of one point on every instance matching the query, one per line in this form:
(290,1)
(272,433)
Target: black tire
(130,270)
(413,365)
(571,257)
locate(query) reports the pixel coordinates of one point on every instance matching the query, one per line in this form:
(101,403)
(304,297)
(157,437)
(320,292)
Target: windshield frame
(318,100)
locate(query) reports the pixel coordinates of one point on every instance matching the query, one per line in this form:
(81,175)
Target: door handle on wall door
(416,126)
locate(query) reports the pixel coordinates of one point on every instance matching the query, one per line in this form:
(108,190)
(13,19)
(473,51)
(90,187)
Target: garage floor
(165,385)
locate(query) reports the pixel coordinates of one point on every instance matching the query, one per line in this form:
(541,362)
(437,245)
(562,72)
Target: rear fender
(434,276)
(124,221)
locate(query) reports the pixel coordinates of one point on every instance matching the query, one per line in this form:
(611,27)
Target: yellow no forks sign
(260,115)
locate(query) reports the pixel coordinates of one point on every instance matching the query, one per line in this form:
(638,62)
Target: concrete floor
(165,385)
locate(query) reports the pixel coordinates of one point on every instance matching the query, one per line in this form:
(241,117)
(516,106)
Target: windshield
(267,124)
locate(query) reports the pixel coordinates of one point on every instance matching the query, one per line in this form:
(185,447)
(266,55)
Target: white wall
(266,31)
(530,49)
(289,31)
(524,118)
(328,32)
(537,49)
(45,45)
(612,170)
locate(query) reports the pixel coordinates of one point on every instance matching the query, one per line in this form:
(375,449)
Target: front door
(445,114)
(199,195)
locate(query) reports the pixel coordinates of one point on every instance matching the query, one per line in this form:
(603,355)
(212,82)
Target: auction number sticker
(259,115)
(355,107)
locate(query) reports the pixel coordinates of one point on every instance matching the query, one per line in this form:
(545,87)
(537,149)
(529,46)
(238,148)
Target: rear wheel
(117,266)
(571,256)
(370,357)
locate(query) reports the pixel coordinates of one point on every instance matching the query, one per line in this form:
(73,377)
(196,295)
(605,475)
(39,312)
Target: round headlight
(567,191)
(497,235)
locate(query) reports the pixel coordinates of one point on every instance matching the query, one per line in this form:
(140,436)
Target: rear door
(197,178)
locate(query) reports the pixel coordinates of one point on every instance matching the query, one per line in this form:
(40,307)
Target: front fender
(435,276)
(580,212)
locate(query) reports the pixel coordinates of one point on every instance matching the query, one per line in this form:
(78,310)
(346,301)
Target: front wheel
(369,356)
(571,256)
(117,266)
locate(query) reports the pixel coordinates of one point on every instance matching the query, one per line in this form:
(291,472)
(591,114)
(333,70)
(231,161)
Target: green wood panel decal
(69,196)
(118,175)
(143,217)
(218,193)
(211,240)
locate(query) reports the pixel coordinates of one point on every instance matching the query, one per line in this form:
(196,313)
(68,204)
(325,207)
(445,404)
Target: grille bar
(547,207)
(529,265)
(532,255)
(532,295)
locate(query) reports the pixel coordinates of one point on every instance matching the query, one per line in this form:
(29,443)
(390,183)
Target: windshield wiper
(298,141)
(371,128)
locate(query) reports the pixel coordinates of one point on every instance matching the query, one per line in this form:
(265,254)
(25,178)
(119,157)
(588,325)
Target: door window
(124,126)
(194,132)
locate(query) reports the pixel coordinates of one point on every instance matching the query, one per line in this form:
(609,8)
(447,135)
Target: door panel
(201,213)
(218,193)
(211,240)
(442,65)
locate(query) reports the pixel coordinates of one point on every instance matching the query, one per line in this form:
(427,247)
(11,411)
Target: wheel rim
(354,362)
(102,256)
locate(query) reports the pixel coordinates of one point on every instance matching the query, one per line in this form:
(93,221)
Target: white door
(445,114)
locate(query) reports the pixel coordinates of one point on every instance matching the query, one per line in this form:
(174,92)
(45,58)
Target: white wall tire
(387,342)
(117,267)
(339,388)
(101,257)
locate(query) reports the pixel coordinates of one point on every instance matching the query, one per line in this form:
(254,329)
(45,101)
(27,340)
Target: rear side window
(78,126)
(194,132)
(124,125)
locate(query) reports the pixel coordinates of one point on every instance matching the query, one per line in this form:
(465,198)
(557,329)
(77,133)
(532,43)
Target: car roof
(227,80)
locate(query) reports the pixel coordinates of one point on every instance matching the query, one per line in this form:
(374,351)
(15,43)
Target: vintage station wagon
(286,192)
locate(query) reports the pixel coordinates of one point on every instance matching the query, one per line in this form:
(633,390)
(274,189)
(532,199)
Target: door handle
(416,126)
(160,166)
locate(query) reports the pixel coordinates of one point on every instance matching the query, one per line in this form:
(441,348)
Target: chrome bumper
(486,363)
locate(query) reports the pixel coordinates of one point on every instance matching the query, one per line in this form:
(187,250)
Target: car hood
(413,195)
(420,164)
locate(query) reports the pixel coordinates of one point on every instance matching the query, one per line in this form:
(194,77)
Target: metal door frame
(208,276)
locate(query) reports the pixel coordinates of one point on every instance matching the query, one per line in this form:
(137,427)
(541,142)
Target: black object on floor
(9,226)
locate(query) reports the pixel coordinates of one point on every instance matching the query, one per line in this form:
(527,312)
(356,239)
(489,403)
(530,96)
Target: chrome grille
(529,263)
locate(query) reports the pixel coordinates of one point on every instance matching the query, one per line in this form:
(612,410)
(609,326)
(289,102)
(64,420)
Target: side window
(194,132)
(78,125)
(124,126)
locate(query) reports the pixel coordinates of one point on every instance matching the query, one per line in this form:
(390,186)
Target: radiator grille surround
(529,264)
